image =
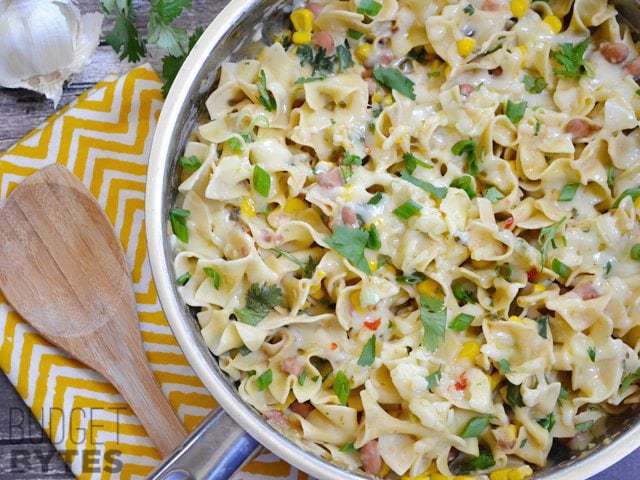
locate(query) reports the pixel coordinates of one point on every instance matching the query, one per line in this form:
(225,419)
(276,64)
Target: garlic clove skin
(44,43)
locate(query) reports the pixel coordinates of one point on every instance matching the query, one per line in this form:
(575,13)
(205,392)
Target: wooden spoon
(63,270)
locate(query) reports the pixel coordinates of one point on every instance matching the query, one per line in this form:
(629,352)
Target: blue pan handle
(213,451)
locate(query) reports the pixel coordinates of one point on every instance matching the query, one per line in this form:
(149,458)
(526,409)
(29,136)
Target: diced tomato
(532,275)
(462,383)
(373,325)
(508,223)
(333,345)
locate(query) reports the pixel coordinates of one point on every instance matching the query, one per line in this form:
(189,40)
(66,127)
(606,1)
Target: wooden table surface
(24,450)
(22,443)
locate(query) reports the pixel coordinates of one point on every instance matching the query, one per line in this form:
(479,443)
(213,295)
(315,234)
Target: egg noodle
(409,230)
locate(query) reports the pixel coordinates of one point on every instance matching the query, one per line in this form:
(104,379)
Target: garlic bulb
(44,42)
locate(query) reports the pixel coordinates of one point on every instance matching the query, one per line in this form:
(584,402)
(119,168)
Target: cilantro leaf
(568,192)
(534,84)
(343,54)
(394,79)
(190,163)
(571,59)
(433,379)
(437,192)
(264,380)
(341,387)
(504,366)
(375,199)
(469,149)
(543,326)
(591,352)
(515,111)
(350,243)
(433,316)
(348,448)
(548,422)
(476,426)
(514,397)
(305,54)
(374,242)
(261,299)
(161,33)
(124,38)
(370,8)
(493,194)
(261,181)
(560,268)
(171,64)
(368,354)
(411,279)
(481,462)
(178,218)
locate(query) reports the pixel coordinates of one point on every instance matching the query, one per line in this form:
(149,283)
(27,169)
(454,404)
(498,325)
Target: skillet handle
(213,451)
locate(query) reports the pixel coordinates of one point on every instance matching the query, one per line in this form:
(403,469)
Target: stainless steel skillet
(221,445)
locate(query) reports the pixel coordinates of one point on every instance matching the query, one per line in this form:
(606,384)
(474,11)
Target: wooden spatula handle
(140,389)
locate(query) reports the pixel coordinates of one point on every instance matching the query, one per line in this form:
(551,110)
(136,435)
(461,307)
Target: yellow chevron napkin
(104,138)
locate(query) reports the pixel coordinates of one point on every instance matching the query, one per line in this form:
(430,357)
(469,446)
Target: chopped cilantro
(629,380)
(476,426)
(374,242)
(515,111)
(469,10)
(178,218)
(343,55)
(395,80)
(341,387)
(190,163)
(464,291)
(592,353)
(350,243)
(433,316)
(411,279)
(568,192)
(433,379)
(634,253)
(562,270)
(548,422)
(264,380)
(493,194)
(570,57)
(514,397)
(547,239)
(370,8)
(543,325)
(348,448)
(356,35)
(368,354)
(504,366)
(375,199)
(534,84)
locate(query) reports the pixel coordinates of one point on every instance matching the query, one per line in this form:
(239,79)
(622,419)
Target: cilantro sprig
(131,44)
(350,243)
(433,316)
(547,239)
(570,58)
(470,150)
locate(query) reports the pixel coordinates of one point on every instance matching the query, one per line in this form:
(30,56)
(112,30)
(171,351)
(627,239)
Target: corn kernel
(384,471)
(373,265)
(539,287)
(465,47)
(519,7)
(428,287)
(363,51)
(469,350)
(377,97)
(388,99)
(294,205)
(354,298)
(301,38)
(423,476)
(519,473)
(247,207)
(515,318)
(302,19)
(494,380)
(347,193)
(447,70)
(554,22)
